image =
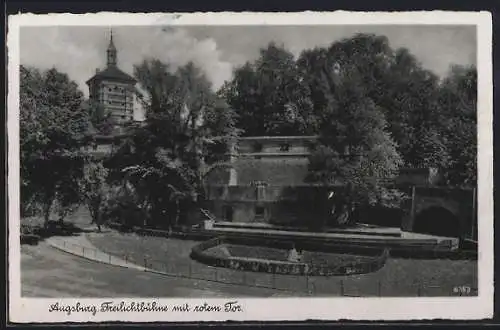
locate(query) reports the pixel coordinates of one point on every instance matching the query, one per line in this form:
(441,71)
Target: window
(285,147)
(257,147)
(259,211)
(228,213)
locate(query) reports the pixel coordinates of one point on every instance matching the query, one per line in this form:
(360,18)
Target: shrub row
(30,239)
(195,235)
(287,268)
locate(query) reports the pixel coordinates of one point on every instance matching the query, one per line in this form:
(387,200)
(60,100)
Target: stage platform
(359,235)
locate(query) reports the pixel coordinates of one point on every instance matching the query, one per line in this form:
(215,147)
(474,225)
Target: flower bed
(369,262)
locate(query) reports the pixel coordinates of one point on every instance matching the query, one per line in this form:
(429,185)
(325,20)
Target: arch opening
(437,220)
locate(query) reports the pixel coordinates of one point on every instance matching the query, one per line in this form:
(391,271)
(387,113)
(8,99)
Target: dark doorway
(437,221)
(228,213)
(259,213)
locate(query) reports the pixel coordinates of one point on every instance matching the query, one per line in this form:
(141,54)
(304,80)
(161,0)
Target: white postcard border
(270,309)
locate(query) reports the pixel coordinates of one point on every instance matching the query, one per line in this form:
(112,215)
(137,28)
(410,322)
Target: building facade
(267,183)
(113,90)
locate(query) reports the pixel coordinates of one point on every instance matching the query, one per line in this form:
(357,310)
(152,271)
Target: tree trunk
(146,208)
(177,213)
(62,215)
(98,220)
(92,215)
(46,211)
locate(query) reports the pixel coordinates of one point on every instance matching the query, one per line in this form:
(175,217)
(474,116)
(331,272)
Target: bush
(30,239)
(121,207)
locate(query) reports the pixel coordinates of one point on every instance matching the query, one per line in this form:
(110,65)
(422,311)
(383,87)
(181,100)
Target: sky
(79,50)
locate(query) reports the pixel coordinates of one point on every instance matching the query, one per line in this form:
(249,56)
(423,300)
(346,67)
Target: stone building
(113,90)
(267,184)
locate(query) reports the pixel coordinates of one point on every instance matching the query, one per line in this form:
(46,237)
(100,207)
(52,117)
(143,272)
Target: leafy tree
(94,189)
(122,206)
(52,127)
(269,95)
(458,99)
(188,128)
(415,113)
(394,80)
(356,152)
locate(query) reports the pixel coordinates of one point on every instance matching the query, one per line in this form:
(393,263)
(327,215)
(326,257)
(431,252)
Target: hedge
(195,235)
(30,239)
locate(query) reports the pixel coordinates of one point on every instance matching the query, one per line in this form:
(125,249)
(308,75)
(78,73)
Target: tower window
(285,147)
(259,211)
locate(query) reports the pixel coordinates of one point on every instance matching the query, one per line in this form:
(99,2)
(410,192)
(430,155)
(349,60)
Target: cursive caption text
(144,307)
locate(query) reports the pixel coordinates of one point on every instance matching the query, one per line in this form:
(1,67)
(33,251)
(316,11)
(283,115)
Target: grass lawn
(49,273)
(399,277)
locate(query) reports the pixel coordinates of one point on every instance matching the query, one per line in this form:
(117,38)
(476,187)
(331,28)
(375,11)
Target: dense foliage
(187,132)
(269,95)
(375,109)
(280,95)
(94,189)
(52,131)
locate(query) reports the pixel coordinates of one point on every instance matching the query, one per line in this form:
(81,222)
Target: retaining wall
(376,260)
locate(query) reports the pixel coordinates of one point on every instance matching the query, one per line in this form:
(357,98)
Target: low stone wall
(375,261)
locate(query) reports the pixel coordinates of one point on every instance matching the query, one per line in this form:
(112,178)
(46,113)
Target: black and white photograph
(186,167)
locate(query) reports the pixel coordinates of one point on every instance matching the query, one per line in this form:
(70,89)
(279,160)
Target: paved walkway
(80,246)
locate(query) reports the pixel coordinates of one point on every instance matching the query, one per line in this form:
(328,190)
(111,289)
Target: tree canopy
(429,119)
(269,95)
(187,129)
(52,131)
(373,108)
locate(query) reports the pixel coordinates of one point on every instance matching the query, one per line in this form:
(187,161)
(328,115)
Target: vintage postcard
(250,166)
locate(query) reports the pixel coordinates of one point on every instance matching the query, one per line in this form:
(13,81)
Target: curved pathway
(80,246)
(55,268)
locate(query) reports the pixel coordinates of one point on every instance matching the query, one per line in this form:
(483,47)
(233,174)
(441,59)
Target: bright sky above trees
(78,51)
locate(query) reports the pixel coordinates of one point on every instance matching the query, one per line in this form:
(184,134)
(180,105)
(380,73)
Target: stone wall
(298,205)
(374,260)
(458,202)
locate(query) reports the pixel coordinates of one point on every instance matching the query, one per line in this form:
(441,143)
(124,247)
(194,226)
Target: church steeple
(111,52)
